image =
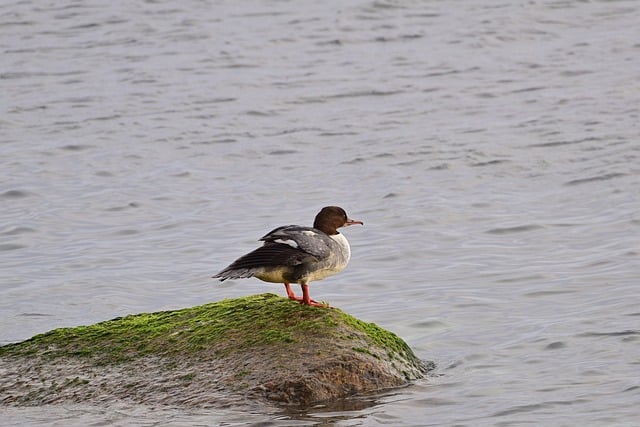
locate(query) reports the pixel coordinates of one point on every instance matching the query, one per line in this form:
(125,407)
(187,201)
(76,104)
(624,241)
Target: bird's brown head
(330,218)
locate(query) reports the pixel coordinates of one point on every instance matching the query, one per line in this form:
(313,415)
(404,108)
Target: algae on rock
(256,346)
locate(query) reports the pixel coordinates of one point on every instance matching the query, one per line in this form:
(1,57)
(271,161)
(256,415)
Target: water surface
(491,149)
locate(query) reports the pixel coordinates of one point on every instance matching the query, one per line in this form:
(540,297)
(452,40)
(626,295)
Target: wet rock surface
(258,347)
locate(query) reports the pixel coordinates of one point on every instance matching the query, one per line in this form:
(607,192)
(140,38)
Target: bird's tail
(234,273)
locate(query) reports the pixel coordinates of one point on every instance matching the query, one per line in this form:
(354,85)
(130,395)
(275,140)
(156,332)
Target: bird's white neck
(345,249)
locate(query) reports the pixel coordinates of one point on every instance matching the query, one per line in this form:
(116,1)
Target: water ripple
(514,229)
(603,177)
(15,194)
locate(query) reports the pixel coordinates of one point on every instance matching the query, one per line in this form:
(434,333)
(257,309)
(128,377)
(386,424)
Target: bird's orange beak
(352,221)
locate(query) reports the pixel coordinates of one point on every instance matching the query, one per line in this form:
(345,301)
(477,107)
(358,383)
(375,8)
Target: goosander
(297,254)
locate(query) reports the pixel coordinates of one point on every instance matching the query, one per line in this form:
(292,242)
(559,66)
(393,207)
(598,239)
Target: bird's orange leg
(290,293)
(306,299)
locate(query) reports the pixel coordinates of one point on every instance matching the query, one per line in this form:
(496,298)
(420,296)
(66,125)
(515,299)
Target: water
(491,148)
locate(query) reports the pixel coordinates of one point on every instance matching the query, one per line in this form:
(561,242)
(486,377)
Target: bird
(298,254)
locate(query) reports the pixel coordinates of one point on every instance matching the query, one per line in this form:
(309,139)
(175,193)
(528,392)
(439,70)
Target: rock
(260,346)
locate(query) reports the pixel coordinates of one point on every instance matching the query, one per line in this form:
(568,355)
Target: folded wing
(284,247)
(306,239)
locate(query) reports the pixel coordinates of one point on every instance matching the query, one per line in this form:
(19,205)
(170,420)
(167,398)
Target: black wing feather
(318,244)
(269,255)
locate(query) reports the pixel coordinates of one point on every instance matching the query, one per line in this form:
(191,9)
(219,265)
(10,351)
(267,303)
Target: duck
(298,254)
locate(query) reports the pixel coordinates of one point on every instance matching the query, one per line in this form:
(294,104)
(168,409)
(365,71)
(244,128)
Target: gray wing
(268,256)
(307,239)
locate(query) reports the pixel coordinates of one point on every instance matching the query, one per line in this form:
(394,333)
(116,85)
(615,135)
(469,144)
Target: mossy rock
(260,346)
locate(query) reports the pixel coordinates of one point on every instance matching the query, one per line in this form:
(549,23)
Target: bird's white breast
(336,262)
(345,249)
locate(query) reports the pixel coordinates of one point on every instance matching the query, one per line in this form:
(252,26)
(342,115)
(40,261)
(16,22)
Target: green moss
(362,350)
(188,377)
(394,345)
(215,330)
(242,373)
(275,335)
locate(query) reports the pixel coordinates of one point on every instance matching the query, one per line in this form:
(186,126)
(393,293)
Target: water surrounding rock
(262,346)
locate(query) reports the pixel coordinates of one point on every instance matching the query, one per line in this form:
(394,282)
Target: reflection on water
(490,149)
